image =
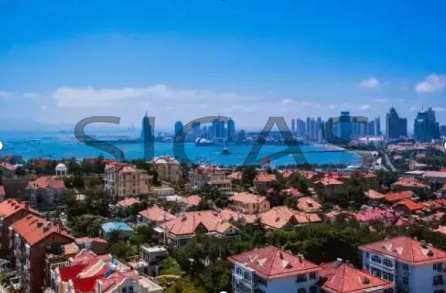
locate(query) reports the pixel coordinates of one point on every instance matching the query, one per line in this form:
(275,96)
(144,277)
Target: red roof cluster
(47,182)
(34,229)
(271,262)
(407,250)
(343,278)
(376,214)
(308,204)
(410,205)
(278,217)
(11,206)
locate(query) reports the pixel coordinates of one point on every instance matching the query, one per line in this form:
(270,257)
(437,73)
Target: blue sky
(62,61)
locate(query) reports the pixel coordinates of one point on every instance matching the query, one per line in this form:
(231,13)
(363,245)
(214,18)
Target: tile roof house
(398,196)
(89,273)
(184,227)
(309,175)
(127,202)
(271,270)
(279,217)
(33,239)
(7,170)
(340,277)
(10,212)
(374,195)
(309,205)
(328,187)
(155,214)
(193,200)
(168,168)
(408,207)
(97,245)
(409,183)
(249,203)
(287,173)
(263,181)
(236,177)
(292,192)
(45,189)
(210,175)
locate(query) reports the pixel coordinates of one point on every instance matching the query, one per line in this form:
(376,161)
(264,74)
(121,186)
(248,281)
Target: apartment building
(45,190)
(122,180)
(90,273)
(413,266)
(213,176)
(31,239)
(11,211)
(272,270)
(249,203)
(168,169)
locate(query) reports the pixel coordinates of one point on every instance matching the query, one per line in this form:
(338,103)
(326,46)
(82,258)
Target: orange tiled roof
(128,202)
(47,182)
(307,174)
(265,178)
(245,197)
(287,173)
(156,214)
(346,279)
(83,240)
(278,217)
(329,181)
(70,248)
(407,250)
(372,194)
(33,229)
(293,192)
(397,196)
(10,206)
(308,204)
(189,222)
(410,182)
(271,262)
(410,204)
(193,200)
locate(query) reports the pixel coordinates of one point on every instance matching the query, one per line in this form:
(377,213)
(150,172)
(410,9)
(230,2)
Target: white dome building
(61,170)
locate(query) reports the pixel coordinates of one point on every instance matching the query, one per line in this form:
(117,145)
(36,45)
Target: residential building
(411,184)
(97,245)
(263,182)
(328,187)
(212,176)
(283,217)
(180,230)
(126,203)
(291,191)
(396,127)
(11,211)
(121,228)
(340,277)
(31,239)
(236,177)
(395,197)
(45,190)
(408,207)
(426,128)
(155,214)
(193,200)
(272,270)
(89,273)
(152,256)
(7,170)
(168,169)
(248,203)
(434,176)
(123,180)
(412,265)
(308,204)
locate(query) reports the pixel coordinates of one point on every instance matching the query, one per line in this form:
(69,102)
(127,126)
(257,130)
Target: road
(389,163)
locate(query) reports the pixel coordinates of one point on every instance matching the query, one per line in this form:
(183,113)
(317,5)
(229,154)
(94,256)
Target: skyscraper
(395,126)
(377,126)
(443,130)
(293,126)
(146,132)
(371,128)
(345,126)
(178,127)
(300,128)
(231,130)
(218,129)
(426,128)
(196,129)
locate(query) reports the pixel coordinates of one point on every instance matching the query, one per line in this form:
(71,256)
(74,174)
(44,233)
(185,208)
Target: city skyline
(218,57)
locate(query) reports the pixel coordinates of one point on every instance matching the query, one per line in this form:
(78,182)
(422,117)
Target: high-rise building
(371,128)
(426,128)
(178,127)
(300,128)
(443,130)
(293,126)
(196,129)
(308,128)
(147,131)
(395,126)
(346,126)
(377,126)
(231,130)
(218,129)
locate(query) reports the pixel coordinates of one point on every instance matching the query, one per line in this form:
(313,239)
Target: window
(388,263)
(131,289)
(301,278)
(367,254)
(238,271)
(387,276)
(405,267)
(438,280)
(313,289)
(247,276)
(312,276)
(438,266)
(301,290)
(124,290)
(405,281)
(375,272)
(376,259)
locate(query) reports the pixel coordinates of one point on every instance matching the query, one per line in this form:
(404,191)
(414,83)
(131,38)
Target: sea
(58,145)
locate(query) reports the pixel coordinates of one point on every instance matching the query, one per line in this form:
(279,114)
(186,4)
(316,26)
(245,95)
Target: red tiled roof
(397,196)
(10,206)
(280,216)
(407,250)
(271,262)
(329,181)
(33,229)
(441,229)
(308,204)
(193,200)
(212,221)
(377,214)
(410,204)
(47,182)
(83,240)
(128,202)
(410,182)
(236,175)
(307,174)
(71,272)
(156,214)
(293,192)
(86,285)
(287,173)
(248,198)
(265,178)
(7,166)
(372,194)
(70,248)
(346,279)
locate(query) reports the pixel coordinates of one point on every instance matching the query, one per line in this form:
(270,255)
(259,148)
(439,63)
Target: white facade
(426,278)
(245,280)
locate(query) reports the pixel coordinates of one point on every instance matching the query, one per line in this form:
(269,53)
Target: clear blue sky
(61,61)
